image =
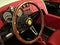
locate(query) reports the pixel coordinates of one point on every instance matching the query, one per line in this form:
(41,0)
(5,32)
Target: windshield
(5,2)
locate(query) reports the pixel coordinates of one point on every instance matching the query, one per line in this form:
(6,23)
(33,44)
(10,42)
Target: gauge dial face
(7,17)
(20,12)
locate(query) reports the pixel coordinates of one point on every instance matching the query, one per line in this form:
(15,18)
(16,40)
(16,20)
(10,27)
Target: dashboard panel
(6,17)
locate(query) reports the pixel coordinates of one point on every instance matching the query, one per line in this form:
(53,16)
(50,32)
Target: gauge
(20,12)
(12,9)
(25,5)
(7,17)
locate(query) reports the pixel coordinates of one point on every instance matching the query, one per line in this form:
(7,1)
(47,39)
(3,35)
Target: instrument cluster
(6,31)
(7,16)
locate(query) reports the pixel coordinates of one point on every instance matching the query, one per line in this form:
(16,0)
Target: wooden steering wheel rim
(15,28)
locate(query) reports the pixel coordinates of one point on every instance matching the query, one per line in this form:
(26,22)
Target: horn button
(29,21)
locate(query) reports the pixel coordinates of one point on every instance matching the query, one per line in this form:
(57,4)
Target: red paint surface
(1,24)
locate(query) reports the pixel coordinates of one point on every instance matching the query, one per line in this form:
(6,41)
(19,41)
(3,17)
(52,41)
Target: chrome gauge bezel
(20,12)
(7,16)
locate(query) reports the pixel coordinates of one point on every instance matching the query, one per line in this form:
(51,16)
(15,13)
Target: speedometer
(20,12)
(7,17)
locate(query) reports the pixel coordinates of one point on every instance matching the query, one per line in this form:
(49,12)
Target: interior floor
(15,41)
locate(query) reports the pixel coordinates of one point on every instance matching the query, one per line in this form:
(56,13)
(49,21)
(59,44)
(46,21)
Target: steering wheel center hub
(24,21)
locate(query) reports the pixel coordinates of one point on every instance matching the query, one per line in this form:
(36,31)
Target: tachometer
(7,17)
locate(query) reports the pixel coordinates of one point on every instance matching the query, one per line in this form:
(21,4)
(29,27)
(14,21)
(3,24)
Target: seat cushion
(55,38)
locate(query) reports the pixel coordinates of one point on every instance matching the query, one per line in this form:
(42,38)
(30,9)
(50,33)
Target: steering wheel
(23,25)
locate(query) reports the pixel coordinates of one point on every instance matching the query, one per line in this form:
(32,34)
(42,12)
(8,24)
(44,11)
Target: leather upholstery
(55,38)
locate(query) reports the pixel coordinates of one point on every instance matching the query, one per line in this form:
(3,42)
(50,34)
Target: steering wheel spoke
(34,30)
(34,15)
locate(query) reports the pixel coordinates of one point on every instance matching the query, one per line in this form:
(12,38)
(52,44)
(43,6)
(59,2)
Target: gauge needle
(33,30)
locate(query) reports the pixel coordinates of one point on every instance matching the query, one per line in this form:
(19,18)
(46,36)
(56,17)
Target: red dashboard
(15,4)
(50,20)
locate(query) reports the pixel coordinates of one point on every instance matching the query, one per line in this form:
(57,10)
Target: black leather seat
(53,8)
